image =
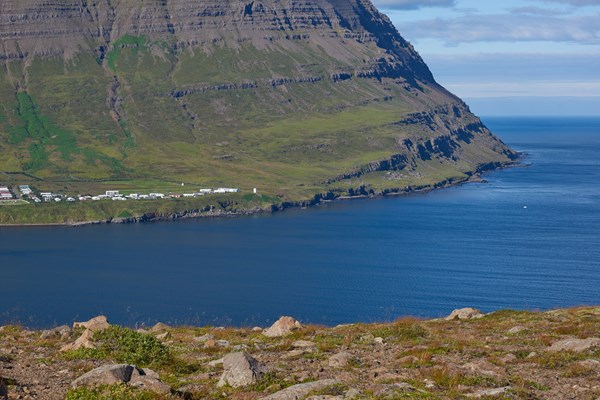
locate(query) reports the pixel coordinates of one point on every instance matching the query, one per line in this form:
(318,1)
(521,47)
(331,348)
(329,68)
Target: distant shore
(223,207)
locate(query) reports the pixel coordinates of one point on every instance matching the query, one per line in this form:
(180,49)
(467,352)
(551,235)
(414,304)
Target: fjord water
(527,239)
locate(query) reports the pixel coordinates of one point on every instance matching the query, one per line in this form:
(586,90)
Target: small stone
(303,344)
(257,329)
(482,367)
(61,331)
(204,338)
(575,345)
(159,327)
(164,336)
(489,392)
(214,363)
(341,360)
(378,340)
(294,354)
(95,324)
(240,369)
(516,329)
(301,390)
(147,379)
(105,375)
(531,355)
(222,343)
(368,338)
(210,343)
(283,326)
(464,314)
(352,394)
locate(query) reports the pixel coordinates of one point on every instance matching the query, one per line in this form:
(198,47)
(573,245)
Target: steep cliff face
(214,91)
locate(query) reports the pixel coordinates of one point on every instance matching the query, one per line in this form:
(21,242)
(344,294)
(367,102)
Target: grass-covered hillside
(321,99)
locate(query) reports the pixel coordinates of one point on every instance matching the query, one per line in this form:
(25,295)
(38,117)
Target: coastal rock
(164,336)
(575,345)
(105,375)
(83,342)
(95,324)
(300,391)
(283,326)
(159,327)
(60,331)
(240,369)
(465,314)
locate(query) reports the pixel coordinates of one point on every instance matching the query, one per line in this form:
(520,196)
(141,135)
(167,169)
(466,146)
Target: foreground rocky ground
(503,355)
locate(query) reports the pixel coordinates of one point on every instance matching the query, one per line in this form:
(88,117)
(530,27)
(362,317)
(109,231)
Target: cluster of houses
(5,193)
(115,195)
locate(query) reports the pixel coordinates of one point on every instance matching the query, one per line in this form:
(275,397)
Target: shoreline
(320,198)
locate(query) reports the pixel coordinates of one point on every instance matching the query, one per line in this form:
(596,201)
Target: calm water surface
(360,260)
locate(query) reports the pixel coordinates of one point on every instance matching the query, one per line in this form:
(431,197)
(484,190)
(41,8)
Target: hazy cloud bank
(412,4)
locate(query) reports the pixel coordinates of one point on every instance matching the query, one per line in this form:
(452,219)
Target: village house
(5,193)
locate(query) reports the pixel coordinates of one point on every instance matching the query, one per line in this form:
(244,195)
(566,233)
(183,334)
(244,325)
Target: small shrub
(125,346)
(403,329)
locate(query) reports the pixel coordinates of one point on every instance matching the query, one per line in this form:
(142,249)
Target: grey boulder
(240,369)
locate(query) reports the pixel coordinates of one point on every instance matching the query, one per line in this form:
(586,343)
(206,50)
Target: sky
(508,57)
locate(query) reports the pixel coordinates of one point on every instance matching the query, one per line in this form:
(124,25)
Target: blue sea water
(527,239)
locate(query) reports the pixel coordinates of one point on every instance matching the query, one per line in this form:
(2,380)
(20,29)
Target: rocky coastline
(320,198)
(469,354)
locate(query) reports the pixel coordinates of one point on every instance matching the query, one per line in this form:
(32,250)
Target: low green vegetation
(124,345)
(114,392)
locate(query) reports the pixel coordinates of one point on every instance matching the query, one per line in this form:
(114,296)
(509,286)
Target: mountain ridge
(287,96)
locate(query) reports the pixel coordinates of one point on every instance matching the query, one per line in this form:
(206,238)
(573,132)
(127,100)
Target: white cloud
(526,89)
(577,3)
(506,27)
(412,4)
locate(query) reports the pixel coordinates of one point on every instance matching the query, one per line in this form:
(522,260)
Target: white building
(227,190)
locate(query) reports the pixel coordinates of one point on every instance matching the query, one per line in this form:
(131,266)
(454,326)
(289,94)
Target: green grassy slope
(275,117)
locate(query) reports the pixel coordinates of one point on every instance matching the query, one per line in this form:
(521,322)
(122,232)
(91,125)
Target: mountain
(293,97)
